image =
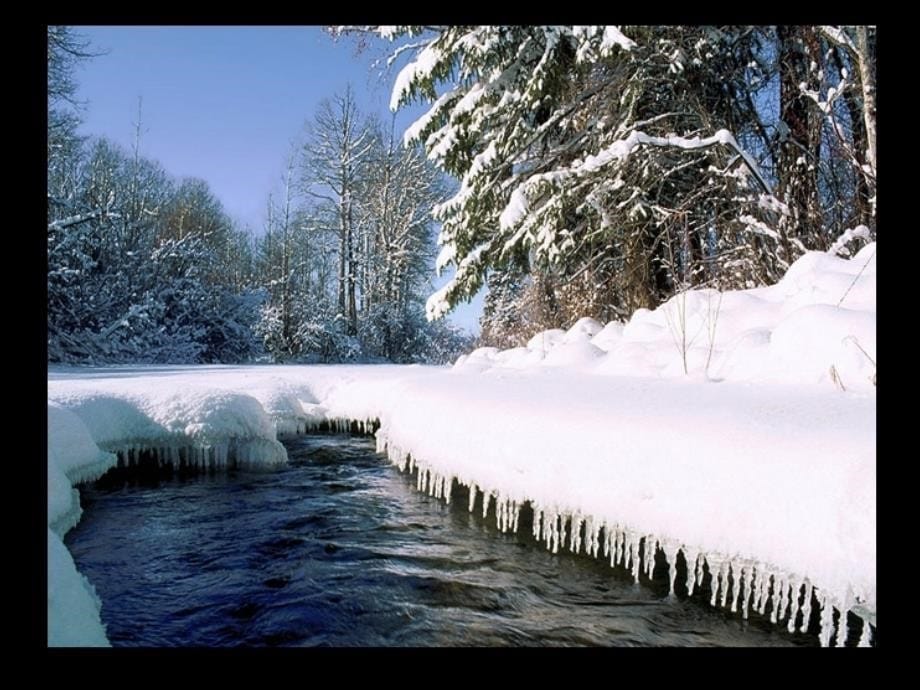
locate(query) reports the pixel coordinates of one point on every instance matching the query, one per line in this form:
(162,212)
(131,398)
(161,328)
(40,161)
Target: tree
(334,159)
(589,148)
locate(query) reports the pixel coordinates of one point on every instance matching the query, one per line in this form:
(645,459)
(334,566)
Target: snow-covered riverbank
(736,428)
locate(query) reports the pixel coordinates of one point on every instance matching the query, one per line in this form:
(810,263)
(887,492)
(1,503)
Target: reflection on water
(339,549)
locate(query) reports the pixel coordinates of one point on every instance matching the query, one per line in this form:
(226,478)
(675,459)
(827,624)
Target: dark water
(339,549)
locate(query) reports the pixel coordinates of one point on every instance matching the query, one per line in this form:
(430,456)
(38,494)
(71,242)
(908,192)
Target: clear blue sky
(225,103)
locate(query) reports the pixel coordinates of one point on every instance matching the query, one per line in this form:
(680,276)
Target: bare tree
(334,160)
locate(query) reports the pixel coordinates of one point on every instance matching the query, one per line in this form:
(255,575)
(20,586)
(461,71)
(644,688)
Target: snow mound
(583,329)
(546,340)
(815,326)
(575,353)
(608,336)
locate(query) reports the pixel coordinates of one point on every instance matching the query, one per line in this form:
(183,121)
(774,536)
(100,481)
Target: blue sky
(225,103)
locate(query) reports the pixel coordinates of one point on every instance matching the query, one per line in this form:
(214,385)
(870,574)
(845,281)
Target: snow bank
(816,326)
(185,423)
(73,607)
(73,457)
(182,425)
(778,482)
(736,429)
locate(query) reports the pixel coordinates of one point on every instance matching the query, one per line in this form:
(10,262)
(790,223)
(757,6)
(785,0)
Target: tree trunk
(866,58)
(797,162)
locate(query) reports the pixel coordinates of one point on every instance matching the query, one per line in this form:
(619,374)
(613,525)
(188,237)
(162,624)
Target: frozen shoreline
(742,434)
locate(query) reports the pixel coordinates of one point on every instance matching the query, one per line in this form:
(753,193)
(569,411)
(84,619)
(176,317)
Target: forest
(572,171)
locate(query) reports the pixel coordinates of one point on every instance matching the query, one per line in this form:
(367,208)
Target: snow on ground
(737,428)
(73,457)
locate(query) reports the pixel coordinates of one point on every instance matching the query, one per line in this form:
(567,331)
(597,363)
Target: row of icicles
(736,582)
(212,457)
(202,457)
(752,585)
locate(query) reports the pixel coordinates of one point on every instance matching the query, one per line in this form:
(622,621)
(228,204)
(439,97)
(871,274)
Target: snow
(737,429)
(421,66)
(613,37)
(73,457)
(73,607)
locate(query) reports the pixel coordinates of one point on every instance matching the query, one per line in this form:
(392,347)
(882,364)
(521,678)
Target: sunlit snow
(736,428)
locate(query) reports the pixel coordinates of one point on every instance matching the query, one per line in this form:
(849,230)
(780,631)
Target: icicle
(784,588)
(651,548)
(633,555)
(610,544)
(574,533)
(517,516)
(486,497)
(560,533)
(865,635)
(735,571)
(537,521)
(827,621)
(670,549)
(590,535)
(806,607)
(723,580)
(795,592)
(448,488)
(843,626)
(557,518)
(606,529)
(747,582)
(775,598)
(499,514)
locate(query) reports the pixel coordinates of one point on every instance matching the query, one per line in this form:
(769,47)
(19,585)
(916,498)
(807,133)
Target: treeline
(605,169)
(143,267)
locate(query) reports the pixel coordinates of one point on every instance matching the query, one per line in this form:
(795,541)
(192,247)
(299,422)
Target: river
(338,548)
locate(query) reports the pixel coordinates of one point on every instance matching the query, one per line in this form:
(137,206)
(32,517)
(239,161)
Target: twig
(856,278)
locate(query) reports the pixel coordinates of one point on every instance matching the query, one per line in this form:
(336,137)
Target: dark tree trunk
(799,150)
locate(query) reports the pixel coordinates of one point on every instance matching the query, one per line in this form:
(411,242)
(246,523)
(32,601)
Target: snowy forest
(667,235)
(572,171)
(143,267)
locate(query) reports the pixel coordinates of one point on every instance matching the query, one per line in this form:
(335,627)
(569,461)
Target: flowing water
(338,548)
